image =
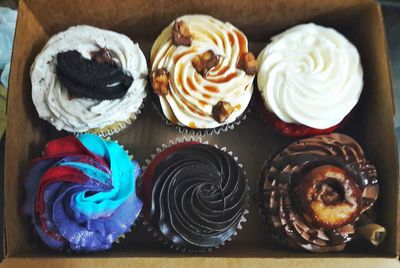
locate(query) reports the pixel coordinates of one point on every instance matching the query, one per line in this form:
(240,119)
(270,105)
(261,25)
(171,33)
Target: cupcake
(195,196)
(87,79)
(81,193)
(318,192)
(310,78)
(202,74)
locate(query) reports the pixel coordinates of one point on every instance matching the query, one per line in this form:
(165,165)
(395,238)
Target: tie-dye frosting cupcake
(81,194)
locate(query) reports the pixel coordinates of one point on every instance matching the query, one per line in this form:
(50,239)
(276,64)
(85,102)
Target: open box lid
(35,22)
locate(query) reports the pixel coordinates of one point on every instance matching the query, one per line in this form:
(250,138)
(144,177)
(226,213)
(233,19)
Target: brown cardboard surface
(141,20)
(199,262)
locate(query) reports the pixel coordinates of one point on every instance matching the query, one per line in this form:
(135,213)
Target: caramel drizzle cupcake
(202,72)
(315,190)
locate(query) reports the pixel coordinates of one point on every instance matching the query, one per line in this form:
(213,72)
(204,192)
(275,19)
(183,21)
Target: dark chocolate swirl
(195,195)
(98,78)
(353,185)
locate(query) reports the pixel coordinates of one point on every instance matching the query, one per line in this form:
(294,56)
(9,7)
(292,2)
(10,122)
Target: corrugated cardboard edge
(201,262)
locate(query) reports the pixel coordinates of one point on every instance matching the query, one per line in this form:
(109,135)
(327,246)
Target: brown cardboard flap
(145,19)
(29,39)
(142,20)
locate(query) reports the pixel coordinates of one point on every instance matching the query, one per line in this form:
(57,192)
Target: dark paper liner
(200,131)
(155,232)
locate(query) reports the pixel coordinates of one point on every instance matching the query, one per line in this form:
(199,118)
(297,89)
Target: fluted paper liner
(200,131)
(116,127)
(155,233)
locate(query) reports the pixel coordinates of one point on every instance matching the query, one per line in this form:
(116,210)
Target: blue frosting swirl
(81,194)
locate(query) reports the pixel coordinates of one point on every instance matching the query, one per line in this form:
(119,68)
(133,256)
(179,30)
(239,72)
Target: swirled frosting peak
(203,72)
(92,105)
(195,196)
(310,75)
(81,193)
(314,192)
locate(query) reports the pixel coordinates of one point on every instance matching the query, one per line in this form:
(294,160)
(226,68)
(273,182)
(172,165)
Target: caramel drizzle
(225,79)
(212,89)
(179,56)
(242,42)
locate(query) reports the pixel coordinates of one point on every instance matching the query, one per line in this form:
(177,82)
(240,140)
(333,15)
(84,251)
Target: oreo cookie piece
(102,80)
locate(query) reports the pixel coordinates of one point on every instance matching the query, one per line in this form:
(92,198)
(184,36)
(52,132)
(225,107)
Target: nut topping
(103,55)
(221,111)
(160,81)
(248,63)
(180,34)
(205,62)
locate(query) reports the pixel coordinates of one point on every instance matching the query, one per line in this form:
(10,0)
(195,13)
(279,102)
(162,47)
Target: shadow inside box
(141,243)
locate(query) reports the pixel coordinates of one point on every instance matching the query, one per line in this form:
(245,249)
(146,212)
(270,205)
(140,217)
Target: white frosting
(192,96)
(82,114)
(310,75)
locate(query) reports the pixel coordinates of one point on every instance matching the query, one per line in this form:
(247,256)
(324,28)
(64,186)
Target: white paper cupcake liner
(200,131)
(116,127)
(155,233)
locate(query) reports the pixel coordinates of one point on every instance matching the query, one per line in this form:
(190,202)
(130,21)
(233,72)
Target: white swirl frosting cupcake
(310,75)
(202,72)
(99,113)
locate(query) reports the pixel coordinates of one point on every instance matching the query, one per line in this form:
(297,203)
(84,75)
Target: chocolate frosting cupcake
(195,196)
(313,193)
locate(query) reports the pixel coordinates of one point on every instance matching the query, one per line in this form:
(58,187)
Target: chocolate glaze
(99,78)
(198,198)
(284,172)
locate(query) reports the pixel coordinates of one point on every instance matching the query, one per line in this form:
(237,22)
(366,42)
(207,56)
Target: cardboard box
(142,20)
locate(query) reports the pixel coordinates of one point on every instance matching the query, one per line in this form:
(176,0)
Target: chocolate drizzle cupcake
(195,196)
(314,194)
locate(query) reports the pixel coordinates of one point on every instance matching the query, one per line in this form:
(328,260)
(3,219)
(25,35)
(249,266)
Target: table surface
(391,12)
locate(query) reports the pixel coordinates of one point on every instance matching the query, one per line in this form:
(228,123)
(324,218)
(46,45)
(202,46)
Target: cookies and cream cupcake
(310,78)
(317,194)
(87,79)
(81,194)
(202,72)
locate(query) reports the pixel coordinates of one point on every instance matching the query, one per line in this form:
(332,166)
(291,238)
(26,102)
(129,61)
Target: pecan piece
(248,63)
(205,62)
(221,111)
(180,34)
(160,81)
(103,55)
